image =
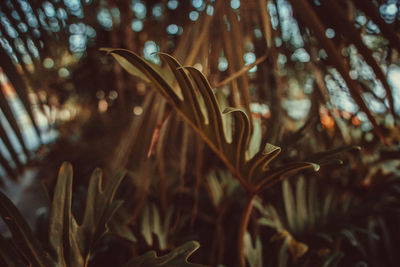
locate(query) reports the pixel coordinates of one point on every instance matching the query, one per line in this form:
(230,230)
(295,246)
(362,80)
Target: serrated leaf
(176,258)
(100,207)
(199,107)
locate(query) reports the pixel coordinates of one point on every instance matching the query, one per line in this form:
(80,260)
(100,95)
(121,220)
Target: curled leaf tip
(316,167)
(105,49)
(270,148)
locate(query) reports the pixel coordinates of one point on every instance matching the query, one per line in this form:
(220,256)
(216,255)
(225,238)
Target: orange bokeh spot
(327,121)
(356,121)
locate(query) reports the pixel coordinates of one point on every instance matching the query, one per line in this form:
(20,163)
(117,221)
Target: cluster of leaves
(70,243)
(178,189)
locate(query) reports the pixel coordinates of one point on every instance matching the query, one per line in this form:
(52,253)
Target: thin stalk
(243,227)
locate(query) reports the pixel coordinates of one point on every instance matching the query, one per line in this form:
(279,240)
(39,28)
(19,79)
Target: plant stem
(242,229)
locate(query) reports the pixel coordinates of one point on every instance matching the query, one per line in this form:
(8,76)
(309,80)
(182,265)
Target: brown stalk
(189,60)
(244,222)
(242,71)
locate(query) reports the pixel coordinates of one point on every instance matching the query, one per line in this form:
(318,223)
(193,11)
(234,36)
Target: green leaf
(176,258)
(100,207)
(200,108)
(22,235)
(9,255)
(301,204)
(253,253)
(290,208)
(333,259)
(59,214)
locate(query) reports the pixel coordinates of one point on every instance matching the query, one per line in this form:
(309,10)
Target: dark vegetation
(239,133)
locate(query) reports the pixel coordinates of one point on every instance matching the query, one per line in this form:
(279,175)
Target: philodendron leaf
(60,214)
(198,105)
(176,258)
(253,253)
(22,235)
(100,207)
(69,243)
(8,254)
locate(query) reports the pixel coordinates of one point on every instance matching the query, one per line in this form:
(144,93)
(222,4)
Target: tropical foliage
(194,100)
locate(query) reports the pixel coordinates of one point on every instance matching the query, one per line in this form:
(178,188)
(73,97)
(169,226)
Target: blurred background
(312,75)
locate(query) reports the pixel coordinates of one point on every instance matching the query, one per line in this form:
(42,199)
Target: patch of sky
(22,27)
(15,15)
(172,4)
(222,64)
(54,26)
(27,59)
(74,7)
(235,4)
(361,19)
(278,42)
(372,28)
(116,14)
(258,33)
(62,14)
(330,33)
(150,47)
(139,9)
(7,25)
(6,46)
(104,18)
(394,81)
(374,105)
(32,21)
(193,15)
(90,32)
(282,59)
(249,58)
(36,33)
(210,10)
(32,48)
(388,11)
(197,4)
(157,11)
(296,38)
(297,109)
(172,29)
(11,135)
(301,55)
(308,86)
(285,14)
(25,6)
(339,93)
(77,43)
(273,14)
(49,9)
(42,19)
(137,25)
(20,46)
